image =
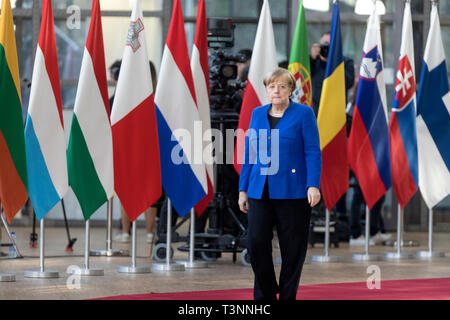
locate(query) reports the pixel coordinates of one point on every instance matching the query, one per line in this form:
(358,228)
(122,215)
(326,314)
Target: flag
(44,130)
(13,167)
(264,61)
(200,73)
(299,60)
(331,120)
(183,172)
(137,170)
(402,127)
(433,119)
(368,145)
(90,153)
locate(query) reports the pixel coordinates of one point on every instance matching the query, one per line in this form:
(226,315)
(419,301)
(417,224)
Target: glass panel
(278,8)
(244,36)
(444,7)
(445,32)
(280,32)
(217,8)
(104,4)
(416,6)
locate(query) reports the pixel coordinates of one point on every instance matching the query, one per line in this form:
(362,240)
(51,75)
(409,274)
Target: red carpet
(414,289)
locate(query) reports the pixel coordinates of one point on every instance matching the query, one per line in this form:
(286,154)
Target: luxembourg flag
(368,144)
(179,124)
(200,73)
(264,61)
(402,127)
(44,130)
(137,172)
(90,153)
(433,119)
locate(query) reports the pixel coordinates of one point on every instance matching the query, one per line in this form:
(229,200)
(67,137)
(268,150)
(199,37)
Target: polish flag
(264,61)
(137,171)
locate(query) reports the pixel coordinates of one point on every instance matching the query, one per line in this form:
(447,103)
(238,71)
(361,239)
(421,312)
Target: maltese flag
(179,122)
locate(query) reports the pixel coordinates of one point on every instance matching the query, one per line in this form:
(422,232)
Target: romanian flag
(13,166)
(331,120)
(299,61)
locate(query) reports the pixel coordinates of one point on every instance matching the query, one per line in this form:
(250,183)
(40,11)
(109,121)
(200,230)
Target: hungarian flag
(299,60)
(44,130)
(137,170)
(183,171)
(200,73)
(368,145)
(433,119)
(90,153)
(264,61)
(402,127)
(13,166)
(331,120)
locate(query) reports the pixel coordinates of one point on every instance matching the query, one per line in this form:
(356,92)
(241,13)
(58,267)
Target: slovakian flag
(137,171)
(433,119)
(13,166)
(299,60)
(402,127)
(90,152)
(200,74)
(368,145)
(331,120)
(183,171)
(263,62)
(44,130)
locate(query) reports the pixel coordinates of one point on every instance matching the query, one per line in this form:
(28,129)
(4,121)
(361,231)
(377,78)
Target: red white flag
(264,61)
(137,167)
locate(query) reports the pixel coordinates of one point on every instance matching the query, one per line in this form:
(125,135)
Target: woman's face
(278,92)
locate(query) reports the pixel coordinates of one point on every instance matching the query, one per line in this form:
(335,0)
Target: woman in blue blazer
(278,185)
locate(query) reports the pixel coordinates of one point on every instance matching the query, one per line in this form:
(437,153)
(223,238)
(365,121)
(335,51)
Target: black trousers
(292,219)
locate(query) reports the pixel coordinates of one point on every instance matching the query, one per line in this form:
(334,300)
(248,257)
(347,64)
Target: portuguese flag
(299,60)
(13,167)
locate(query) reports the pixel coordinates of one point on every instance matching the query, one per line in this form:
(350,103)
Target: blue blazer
(289,158)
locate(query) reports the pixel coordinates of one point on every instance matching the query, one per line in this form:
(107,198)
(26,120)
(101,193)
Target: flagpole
(41,273)
(109,252)
(191,264)
(397,255)
(87,271)
(133,268)
(326,243)
(430,253)
(168,266)
(6,277)
(366,256)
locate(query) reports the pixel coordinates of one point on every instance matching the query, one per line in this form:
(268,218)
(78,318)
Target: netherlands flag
(402,127)
(44,130)
(368,144)
(179,123)
(200,73)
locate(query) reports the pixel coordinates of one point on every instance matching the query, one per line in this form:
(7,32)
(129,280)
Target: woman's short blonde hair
(282,73)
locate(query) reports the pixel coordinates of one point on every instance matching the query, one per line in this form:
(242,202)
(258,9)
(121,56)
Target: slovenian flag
(183,172)
(368,145)
(263,62)
(137,171)
(13,166)
(433,119)
(331,120)
(402,127)
(44,130)
(200,73)
(90,152)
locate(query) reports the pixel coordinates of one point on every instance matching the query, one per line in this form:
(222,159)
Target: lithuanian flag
(299,60)
(331,120)
(13,167)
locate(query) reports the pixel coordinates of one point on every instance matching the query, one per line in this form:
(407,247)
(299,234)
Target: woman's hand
(313,196)
(243,201)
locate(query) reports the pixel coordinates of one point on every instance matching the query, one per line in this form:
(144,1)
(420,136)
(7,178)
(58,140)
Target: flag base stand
(405,243)
(193,264)
(167,267)
(109,253)
(88,272)
(430,254)
(325,259)
(398,255)
(133,269)
(41,274)
(7,277)
(366,257)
